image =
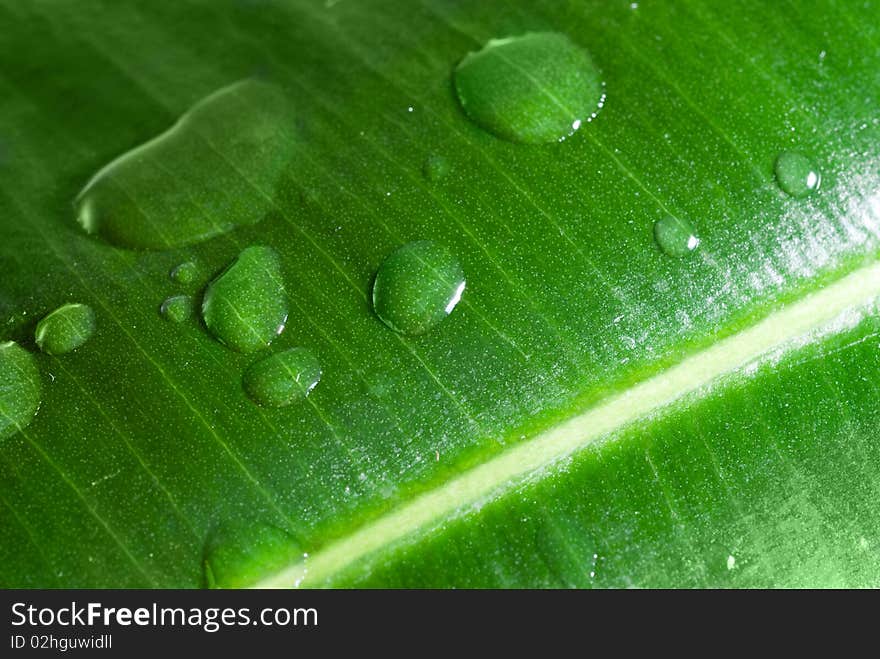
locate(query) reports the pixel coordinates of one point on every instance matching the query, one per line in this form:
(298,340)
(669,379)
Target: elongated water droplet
(65,329)
(185,273)
(675,236)
(245,307)
(417,287)
(435,168)
(282,378)
(539,87)
(214,170)
(177,308)
(19,388)
(796,174)
(239,554)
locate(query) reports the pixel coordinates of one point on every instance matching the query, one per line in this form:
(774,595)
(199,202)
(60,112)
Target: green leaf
(593,411)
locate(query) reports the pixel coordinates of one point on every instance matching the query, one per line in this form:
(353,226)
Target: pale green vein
(492,478)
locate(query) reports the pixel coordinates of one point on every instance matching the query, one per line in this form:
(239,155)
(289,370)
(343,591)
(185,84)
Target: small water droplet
(177,308)
(282,378)
(435,168)
(238,554)
(417,286)
(675,236)
(796,174)
(19,388)
(536,88)
(214,170)
(65,329)
(185,273)
(245,307)
(731,562)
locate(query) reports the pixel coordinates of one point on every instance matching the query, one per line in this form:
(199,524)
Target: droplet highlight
(536,88)
(239,554)
(417,287)
(185,273)
(245,307)
(282,378)
(213,171)
(796,174)
(177,308)
(675,236)
(65,329)
(19,388)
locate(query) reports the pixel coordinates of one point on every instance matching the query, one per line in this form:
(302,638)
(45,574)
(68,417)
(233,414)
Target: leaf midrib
(498,475)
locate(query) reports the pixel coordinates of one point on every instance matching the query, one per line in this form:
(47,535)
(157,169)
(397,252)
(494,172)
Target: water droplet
(539,87)
(245,307)
(239,554)
(417,286)
(19,388)
(675,236)
(214,170)
(65,329)
(283,378)
(185,273)
(177,308)
(435,168)
(796,174)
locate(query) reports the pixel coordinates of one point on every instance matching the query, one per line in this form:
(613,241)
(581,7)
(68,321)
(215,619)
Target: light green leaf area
(592,412)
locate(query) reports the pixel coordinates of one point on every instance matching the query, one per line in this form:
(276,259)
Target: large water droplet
(536,88)
(214,170)
(417,287)
(245,307)
(239,554)
(282,378)
(796,174)
(185,273)
(65,329)
(177,308)
(19,388)
(675,236)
